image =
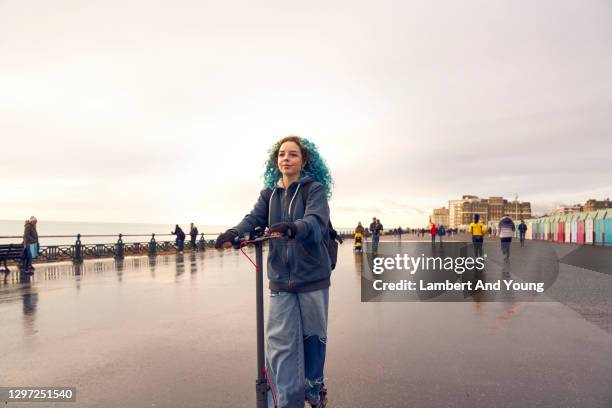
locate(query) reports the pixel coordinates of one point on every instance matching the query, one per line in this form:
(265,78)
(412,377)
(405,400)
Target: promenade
(179,331)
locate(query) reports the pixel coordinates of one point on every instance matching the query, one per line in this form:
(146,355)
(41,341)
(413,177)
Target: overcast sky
(159,111)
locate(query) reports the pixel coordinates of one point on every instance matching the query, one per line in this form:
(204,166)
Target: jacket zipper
(287,249)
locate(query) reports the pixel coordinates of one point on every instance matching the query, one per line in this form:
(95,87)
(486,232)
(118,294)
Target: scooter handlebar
(240,242)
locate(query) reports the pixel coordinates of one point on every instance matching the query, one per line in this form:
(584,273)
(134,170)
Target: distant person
(180,238)
(477,230)
(193,233)
(522,231)
(358,241)
(506,231)
(30,244)
(359,228)
(441,232)
(375,230)
(433,231)
(399,232)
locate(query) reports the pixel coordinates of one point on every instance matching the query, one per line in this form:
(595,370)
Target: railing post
(78,250)
(119,248)
(152,246)
(202,243)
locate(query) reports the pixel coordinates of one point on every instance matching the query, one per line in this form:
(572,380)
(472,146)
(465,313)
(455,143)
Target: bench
(10,252)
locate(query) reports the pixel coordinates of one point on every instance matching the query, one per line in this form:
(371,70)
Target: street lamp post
(516,217)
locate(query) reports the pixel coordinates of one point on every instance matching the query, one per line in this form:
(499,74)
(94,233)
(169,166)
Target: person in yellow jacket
(477,230)
(358,241)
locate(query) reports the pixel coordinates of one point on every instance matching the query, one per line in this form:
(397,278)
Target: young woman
(294,206)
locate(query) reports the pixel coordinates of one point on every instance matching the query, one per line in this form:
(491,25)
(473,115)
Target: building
(440,216)
(566,209)
(594,205)
(473,205)
(461,212)
(590,205)
(454,212)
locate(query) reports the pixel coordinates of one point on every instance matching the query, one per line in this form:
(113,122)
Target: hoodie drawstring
(290,202)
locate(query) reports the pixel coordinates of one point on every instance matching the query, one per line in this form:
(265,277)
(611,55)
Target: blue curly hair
(314,167)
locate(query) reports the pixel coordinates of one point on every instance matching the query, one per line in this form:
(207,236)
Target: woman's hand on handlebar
(279,229)
(226,239)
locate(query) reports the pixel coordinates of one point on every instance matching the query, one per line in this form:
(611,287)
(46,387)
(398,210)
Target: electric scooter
(263,383)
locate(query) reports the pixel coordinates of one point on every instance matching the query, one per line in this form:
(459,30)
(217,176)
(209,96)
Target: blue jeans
(295,352)
(26,259)
(375,239)
(477,241)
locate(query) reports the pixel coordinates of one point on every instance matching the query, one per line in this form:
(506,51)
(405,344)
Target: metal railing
(79,251)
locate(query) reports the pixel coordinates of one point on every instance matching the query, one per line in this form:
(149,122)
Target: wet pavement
(179,331)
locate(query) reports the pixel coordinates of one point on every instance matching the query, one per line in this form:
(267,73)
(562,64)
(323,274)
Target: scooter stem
(261,385)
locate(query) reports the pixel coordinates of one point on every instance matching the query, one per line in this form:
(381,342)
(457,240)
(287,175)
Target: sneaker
(322,398)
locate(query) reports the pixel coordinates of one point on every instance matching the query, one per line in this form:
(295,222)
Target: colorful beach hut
(559,228)
(548,228)
(574,227)
(539,229)
(580,232)
(598,226)
(589,230)
(542,228)
(529,232)
(567,227)
(607,238)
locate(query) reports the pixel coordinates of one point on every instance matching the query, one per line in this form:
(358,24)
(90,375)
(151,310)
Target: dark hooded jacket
(301,264)
(180,235)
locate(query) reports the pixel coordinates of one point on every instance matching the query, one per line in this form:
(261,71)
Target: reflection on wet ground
(180,331)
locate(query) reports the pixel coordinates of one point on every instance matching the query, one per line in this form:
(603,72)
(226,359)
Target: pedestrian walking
(522,231)
(180,238)
(30,245)
(506,232)
(477,230)
(433,231)
(441,232)
(193,233)
(375,230)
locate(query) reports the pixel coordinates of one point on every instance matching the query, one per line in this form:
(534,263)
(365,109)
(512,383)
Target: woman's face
(290,159)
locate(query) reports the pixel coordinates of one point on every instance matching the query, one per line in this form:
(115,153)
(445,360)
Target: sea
(65,232)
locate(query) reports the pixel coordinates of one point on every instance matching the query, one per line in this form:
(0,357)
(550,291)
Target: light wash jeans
(295,352)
